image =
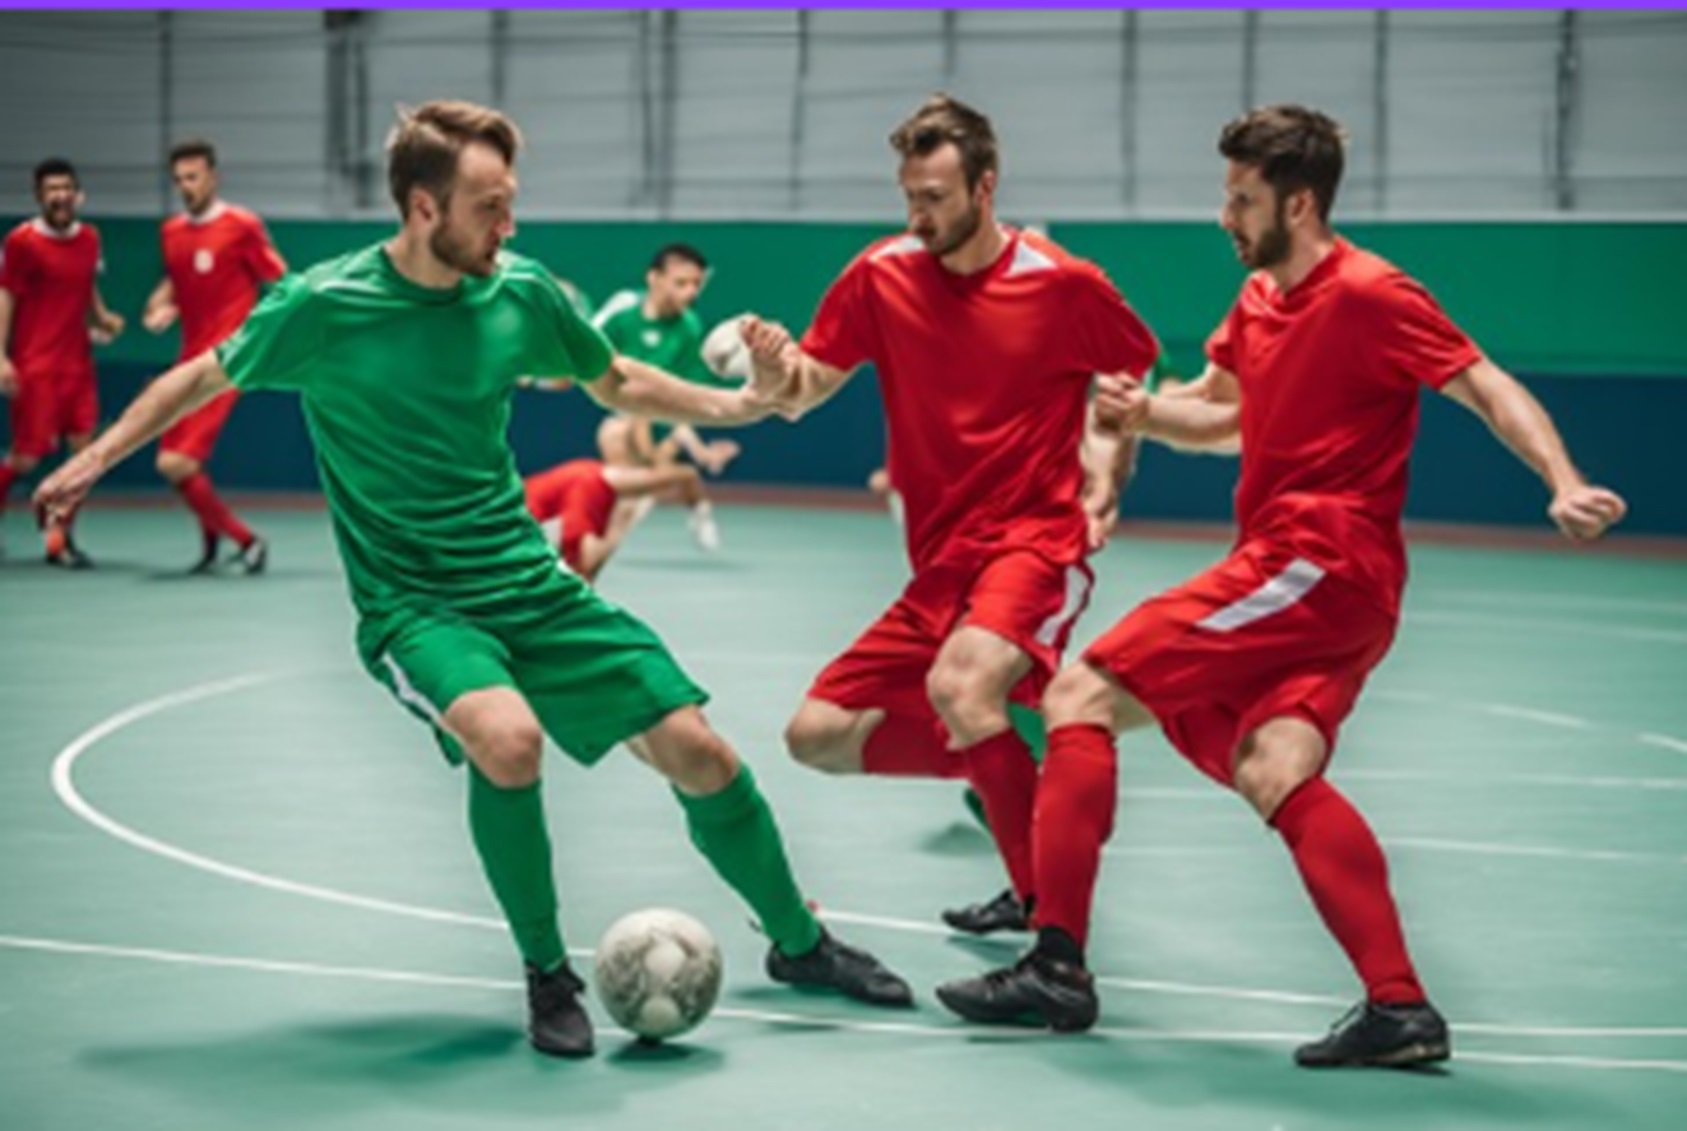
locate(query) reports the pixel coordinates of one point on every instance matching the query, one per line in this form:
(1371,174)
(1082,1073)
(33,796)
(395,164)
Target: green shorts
(594,674)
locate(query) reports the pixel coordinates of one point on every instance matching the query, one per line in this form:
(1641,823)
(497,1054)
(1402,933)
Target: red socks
(1003,773)
(1343,868)
(214,515)
(8,476)
(1074,817)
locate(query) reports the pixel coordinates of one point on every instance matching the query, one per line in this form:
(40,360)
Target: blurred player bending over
(575,504)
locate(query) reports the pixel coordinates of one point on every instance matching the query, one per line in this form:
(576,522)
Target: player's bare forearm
(1192,422)
(177,392)
(1513,414)
(187,386)
(1583,512)
(644,390)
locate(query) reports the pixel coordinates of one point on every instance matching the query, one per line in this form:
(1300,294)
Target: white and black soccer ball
(658,973)
(724,351)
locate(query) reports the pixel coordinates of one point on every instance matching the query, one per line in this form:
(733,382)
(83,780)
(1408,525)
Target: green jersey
(406,390)
(674,344)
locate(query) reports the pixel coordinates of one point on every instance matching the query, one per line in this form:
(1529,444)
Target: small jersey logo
(652,339)
(203,261)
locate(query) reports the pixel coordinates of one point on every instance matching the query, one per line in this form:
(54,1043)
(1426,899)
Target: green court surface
(237,890)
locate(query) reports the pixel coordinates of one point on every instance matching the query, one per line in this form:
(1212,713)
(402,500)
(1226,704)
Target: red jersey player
(1251,666)
(216,258)
(50,314)
(575,504)
(986,342)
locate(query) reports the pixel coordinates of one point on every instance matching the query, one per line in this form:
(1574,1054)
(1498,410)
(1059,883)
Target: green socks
(509,832)
(735,831)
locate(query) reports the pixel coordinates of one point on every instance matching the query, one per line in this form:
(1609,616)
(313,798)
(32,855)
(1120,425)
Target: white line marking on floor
(1550,718)
(65,788)
(1665,741)
(1124,1033)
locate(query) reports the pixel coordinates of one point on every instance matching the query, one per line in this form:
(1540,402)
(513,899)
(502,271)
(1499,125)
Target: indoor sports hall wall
(1588,312)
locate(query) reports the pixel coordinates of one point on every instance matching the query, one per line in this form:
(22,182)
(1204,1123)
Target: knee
(1079,696)
(507,750)
(963,699)
(700,763)
(814,741)
(1271,764)
(174,466)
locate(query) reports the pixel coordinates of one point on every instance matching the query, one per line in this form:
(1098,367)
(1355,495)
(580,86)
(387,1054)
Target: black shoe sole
(565,1052)
(1030,1019)
(971,927)
(1408,1056)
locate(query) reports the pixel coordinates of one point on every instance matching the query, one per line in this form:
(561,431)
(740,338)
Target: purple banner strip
(764,5)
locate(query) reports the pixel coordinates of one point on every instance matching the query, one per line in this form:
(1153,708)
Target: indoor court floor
(237,891)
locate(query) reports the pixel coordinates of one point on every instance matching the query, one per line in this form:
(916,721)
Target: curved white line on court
(1581,628)
(65,788)
(807,1021)
(64,785)
(1665,742)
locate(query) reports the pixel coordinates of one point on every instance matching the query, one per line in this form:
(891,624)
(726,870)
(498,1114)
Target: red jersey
(985,379)
(1329,374)
(51,276)
(216,263)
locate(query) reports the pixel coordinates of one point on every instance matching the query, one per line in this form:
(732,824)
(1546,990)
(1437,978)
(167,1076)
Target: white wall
(779,113)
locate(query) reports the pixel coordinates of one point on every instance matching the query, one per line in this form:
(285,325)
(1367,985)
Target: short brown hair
(942,119)
(423,148)
(191,148)
(1294,147)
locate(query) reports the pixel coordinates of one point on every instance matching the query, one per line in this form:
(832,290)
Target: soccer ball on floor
(658,973)
(724,351)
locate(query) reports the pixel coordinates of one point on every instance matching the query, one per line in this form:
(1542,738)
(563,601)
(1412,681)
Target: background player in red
(575,504)
(216,258)
(986,342)
(50,315)
(1251,666)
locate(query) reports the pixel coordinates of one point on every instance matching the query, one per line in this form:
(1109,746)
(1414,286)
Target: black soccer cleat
(1381,1036)
(253,557)
(847,969)
(207,562)
(1037,991)
(556,1021)
(1003,913)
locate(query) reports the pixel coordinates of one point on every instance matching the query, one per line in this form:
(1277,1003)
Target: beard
(941,243)
(460,254)
(59,214)
(1272,246)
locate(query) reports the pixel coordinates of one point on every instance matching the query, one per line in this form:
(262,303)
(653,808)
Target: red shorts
(48,407)
(195,435)
(1020,596)
(1261,635)
(579,497)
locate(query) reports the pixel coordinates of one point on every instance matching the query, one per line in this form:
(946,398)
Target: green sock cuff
(738,797)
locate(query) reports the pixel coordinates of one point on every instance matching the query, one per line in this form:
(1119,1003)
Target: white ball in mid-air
(724,351)
(658,973)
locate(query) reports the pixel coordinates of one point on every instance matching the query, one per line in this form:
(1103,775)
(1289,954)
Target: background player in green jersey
(405,355)
(659,326)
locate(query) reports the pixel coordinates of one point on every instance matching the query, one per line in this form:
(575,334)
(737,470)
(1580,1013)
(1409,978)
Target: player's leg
(1280,771)
(732,825)
(183,451)
(968,685)
(459,679)
(1020,609)
(668,479)
(1077,794)
(76,413)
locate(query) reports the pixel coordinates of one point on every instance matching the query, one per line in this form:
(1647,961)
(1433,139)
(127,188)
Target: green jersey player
(405,355)
(657,325)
